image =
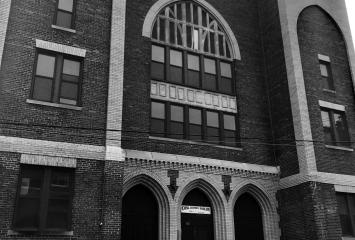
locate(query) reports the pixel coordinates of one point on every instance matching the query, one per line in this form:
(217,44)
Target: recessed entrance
(248,223)
(140,214)
(197,217)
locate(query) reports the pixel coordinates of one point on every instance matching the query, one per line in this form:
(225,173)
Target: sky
(351,13)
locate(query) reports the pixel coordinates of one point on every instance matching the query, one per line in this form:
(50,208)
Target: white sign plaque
(195,210)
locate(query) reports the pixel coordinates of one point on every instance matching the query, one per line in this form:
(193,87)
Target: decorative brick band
(194,97)
(205,164)
(56,47)
(48,161)
(4,18)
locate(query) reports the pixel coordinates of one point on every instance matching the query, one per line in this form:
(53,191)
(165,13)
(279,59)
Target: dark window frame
(327,82)
(44,199)
(202,85)
(186,124)
(350,213)
(336,141)
(73,14)
(57,76)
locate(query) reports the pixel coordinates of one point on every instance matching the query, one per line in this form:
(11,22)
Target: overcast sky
(351,12)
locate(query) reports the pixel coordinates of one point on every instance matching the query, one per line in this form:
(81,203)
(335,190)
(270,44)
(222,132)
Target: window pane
(212,135)
(69,90)
(226,70)
(175,74)
(176,130)
(45,66)
(341,128)
(70,78)
(177,113)
(158,54)
(57,216)
(71,67)
(325,119)
(42,89)
(176,58)
(210,66)
(230,138)
(158,110)
(193,62)
(210,82)
(27,213)
(226,85)
(64,19)
(195,40)
(193,78)
(229,122)
(31,182)
(60,184)
(66,5)
(195,116)
(212,119)
(323,70)
(157,71)
(195,132)
(157,127)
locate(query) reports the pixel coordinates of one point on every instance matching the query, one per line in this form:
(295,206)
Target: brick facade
(106,140)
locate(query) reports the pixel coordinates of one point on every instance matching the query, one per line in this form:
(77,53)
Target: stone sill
(19,233)
(58,105)
(348,238)
(340,148)
(194,143)
(329,90)
(64,29)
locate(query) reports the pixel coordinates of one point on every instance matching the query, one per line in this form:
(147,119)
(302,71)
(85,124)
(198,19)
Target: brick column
(309,212)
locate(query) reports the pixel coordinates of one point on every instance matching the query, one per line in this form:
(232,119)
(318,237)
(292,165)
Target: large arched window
(191,55)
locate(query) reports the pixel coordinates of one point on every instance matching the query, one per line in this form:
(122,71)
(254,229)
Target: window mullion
(57,78)
(44,199)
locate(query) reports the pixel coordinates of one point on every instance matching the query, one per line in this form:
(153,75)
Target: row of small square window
(185,122)
(186,68)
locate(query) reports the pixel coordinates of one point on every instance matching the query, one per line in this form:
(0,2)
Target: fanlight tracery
(188,25)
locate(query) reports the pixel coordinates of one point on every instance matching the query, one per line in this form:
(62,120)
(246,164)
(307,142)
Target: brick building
(176,120)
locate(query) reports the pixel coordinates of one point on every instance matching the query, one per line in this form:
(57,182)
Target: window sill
(64,29)
(348,238)
(21,233)
(58,105)
(194,143)
(340,148)
(329,90)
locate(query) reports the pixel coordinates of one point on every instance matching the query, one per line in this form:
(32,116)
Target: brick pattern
(326,39)
(31,20)
(309,211)
(87,200)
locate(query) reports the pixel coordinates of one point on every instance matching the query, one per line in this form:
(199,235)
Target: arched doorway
(248,222)
(197,217)
(140,214)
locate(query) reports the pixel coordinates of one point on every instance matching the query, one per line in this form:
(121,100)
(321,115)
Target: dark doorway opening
(248,223)
(198,224)
(140,215)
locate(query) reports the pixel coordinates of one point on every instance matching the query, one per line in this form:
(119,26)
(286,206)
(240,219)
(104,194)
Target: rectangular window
(157,125)
(195,124)
(176,70)
(335,127)
(212,127)
(229,130)
(176,128)
(158,63)
(346,210)
(210,77)
(57,79)
(44,199)
(65,14)
(326,74)
(226,84)
(193,70)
